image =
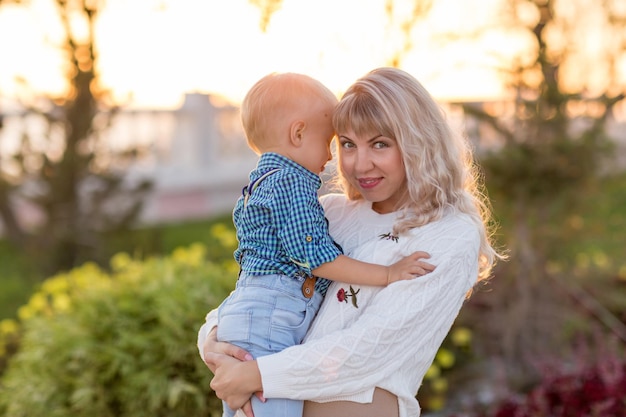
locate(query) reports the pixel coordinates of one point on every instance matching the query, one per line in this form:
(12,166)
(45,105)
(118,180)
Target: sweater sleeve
(399,330)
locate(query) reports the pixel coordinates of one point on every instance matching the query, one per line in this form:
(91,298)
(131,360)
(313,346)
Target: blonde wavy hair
(440,170)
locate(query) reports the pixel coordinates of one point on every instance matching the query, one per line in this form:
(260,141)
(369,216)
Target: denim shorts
(266,313)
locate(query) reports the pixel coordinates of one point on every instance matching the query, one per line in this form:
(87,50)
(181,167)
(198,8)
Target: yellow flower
(197,254)
(461,336)
(439,385)
(445,358)
(225,236)
(193,255)
(55,285)
(25,312)
(88,269)
(433,372)
(38,302)
(601,260)
(61,302)
(436,402)
(8,326)
(120,261)
(180,255)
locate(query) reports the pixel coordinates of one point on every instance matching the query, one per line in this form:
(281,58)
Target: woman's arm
(401,327)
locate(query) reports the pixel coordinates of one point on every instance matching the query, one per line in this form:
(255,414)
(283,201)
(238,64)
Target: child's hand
(409,267)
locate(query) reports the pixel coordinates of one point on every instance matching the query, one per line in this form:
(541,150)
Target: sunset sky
(153,51)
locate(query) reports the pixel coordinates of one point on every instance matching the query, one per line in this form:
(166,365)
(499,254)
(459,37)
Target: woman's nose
(363,161)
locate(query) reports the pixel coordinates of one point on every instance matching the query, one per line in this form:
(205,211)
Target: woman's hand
(218,355)
(234,381)
(211,345)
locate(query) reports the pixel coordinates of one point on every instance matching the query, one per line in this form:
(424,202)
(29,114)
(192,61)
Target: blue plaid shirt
(281,228)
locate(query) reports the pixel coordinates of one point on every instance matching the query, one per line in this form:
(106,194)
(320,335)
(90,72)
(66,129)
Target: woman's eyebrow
(374,138)
(368,140)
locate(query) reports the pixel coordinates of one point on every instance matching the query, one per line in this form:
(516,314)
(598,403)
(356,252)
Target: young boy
(284,243)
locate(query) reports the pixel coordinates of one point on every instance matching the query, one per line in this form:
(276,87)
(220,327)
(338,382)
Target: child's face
(317,137)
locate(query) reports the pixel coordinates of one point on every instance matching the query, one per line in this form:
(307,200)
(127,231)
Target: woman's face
(373,165)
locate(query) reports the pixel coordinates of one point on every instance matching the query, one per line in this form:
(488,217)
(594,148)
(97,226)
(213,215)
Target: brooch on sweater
(342,296)
(389,236)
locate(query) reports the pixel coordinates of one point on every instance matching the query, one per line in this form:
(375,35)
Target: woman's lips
(369,182)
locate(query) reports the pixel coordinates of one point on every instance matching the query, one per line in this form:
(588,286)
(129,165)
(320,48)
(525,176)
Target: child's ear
(296,133)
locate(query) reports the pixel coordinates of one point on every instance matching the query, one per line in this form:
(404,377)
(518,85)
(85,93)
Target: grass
(163,239)
(18,276)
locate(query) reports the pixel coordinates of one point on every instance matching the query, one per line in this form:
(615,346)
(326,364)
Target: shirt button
(309,238)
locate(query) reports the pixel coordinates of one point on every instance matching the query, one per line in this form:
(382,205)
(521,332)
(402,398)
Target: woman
(409,184)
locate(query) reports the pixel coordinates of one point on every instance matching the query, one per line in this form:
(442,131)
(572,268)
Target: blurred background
(122,154)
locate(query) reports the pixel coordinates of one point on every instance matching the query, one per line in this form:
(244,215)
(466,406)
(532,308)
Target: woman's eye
(347,145)
(380,145)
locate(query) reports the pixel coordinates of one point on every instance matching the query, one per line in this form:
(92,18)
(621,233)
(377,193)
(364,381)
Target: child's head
(290,114)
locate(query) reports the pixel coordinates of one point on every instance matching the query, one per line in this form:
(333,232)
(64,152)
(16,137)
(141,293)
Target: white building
(198,158)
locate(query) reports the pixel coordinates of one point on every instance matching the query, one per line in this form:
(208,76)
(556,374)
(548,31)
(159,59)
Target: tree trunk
(12,229)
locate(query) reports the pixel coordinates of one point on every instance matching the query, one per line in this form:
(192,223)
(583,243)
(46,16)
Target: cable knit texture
(391,338)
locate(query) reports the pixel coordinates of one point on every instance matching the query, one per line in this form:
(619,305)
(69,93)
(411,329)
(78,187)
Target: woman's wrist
(253,381)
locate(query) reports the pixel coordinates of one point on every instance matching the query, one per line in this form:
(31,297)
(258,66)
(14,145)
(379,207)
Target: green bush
(118,344)
(21,274)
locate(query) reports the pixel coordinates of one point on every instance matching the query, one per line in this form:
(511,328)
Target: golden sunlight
(152,52)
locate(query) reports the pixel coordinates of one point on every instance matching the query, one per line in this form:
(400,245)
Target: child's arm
(351,271)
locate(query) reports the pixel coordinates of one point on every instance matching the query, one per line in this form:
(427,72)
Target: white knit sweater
(390,340)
